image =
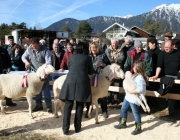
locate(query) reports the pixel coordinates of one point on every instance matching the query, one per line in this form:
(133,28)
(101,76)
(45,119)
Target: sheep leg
(140,102)
(145,102)
(62,108)
(2,107)
(97,111)
(29,99)
(89,111)
(56,106)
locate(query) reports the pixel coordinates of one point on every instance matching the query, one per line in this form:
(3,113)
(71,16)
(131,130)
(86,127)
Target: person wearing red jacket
(67,54)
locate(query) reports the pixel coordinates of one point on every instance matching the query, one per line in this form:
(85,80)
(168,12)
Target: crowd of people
(83,58)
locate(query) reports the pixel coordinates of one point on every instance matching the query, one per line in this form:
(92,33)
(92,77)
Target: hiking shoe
(105,115)
(49,109)
(37,108)
(11,104)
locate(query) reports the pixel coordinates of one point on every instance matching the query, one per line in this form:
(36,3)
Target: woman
(76,86)
(16,58)
(99,62)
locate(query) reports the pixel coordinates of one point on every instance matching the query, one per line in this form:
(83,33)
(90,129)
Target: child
(130,100)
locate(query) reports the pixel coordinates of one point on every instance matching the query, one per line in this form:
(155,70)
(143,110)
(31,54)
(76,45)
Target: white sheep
(104,80)
(129,84)
(11,85)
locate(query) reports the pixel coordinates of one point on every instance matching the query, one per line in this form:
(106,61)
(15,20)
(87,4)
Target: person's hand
(97,64)
(61,70)
(153,78)
(27,64)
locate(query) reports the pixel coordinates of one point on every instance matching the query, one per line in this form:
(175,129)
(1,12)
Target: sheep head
(128,74)
(113,71)
(45,70)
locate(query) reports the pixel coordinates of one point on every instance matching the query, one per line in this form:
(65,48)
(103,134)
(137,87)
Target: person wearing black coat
(154,52)
(5,65)
(77,86)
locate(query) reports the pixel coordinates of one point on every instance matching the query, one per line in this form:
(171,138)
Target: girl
(130,101)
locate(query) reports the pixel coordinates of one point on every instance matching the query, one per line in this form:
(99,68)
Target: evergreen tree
(83,30)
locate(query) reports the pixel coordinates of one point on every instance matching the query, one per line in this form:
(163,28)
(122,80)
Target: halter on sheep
(14,87)
(104,80)
(129,84)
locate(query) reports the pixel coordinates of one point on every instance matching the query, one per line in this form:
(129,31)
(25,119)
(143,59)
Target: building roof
(126,28)
(141,30)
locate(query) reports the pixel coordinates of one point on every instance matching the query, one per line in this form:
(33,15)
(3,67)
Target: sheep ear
(111,75)
(43,74)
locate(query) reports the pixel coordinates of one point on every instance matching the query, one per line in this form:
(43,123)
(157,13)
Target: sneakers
(37,108)
(105,115)
(11,104)
(49,109)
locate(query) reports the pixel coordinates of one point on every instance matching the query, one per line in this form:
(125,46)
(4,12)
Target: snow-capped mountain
(127,16)
(167,15)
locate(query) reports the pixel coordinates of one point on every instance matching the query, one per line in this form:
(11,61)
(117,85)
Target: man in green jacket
(138,54)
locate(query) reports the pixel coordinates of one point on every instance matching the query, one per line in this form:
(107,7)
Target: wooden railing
(148,92)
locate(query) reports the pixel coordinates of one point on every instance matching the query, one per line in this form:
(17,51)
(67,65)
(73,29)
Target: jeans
(47,94)
(135,109)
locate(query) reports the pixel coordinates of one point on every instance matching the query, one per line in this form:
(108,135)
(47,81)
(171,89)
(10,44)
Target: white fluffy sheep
(104,80)
(11,85)
(129,84)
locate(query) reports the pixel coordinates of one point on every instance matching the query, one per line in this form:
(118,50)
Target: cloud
(42,12)
(77,4)
(16,7)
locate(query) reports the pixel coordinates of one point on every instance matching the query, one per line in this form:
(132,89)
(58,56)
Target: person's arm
(159,66)
(108,55)
(140,86)
(90,69)
(63,63)
(148,67)
(120,58)
(127,65)
(25,58)
(48,57)
(158,71)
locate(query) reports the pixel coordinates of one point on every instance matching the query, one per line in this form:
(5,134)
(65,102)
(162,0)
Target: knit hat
(168,34)
(137,43)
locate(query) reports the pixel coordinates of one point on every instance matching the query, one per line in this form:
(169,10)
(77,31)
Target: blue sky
(42,13)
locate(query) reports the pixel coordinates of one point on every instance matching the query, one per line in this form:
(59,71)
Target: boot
(137,129)
(122,124)
(9,102)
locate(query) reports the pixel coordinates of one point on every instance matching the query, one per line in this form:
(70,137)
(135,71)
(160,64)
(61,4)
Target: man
(169,65)
(56,55)
(39,55)
(114,52)
(11,44)
(138,54)
(167,36)
(67,54)
(5,65)
(127,46)
(115,55)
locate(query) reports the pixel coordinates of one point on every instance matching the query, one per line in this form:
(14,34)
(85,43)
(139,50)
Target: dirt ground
(17,125)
